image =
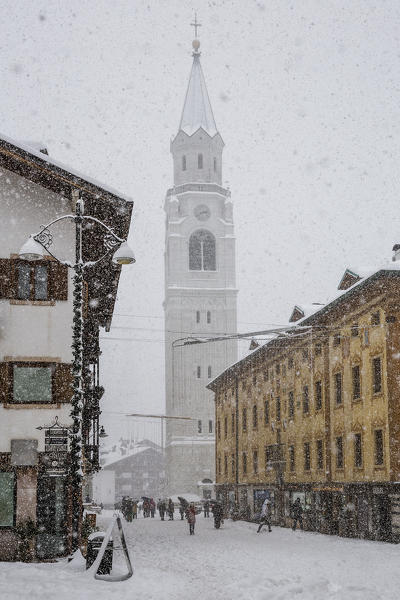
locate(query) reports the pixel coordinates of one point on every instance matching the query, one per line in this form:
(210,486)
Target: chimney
(396,255)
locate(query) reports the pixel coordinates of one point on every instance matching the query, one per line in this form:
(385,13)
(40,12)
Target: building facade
(315,414)
(200,289)
(35,343)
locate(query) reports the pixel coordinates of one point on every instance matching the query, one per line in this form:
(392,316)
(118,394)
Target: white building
(200,289)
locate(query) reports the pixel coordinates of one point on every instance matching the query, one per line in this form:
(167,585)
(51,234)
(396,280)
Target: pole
(77,399)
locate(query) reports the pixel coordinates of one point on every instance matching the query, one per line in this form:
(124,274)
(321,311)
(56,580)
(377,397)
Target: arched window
(183,163)
(202,255)
(199,161)
(215,164)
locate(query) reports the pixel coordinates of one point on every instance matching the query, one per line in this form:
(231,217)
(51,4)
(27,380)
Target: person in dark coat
(152,508)
(170,510)
(161,509)
(218,514)
(206,508)
(297,514)
(191,518)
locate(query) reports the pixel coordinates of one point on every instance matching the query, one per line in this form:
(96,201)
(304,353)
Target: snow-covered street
(233,563)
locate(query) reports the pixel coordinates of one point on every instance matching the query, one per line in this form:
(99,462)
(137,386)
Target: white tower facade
(200,290)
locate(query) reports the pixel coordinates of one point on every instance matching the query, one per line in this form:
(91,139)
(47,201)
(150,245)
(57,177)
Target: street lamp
(32,250)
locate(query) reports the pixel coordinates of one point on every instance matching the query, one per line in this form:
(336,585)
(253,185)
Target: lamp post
(32,250)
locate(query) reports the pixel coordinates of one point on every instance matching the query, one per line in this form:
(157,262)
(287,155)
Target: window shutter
(62,383)
(58,281)
(4,382)
(6,278)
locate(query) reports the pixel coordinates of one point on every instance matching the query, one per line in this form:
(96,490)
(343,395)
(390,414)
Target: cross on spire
(196,25)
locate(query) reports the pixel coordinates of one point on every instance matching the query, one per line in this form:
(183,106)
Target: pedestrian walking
(206,509)
(191,518)
(297,514)
(135,508)
(265,517)
(170,510)
(152,508)
(161,509)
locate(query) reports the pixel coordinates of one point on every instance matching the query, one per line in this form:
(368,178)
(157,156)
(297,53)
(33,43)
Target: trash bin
(95,541)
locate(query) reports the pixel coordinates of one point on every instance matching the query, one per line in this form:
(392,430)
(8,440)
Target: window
(226,427)
(306,400)
(198,372)
(354,330)
(32,383)
(266,411)
(199,161)
(215,164)
(197,316)
(255,416)
(278,409)
(318,349)
(183,163)
(357,450)
(255,461)
(337,339)
(233,464)
(366,336)
(226,464)
(292,459)
(291,405)
(218,429)
(277,369)
(31,281)
(376,318)
(339,452)
(209,372)
(355,371)
(233,422)
(290,363)
(244,463)
(210,426)
(377,375)
(244,419)
(199,427)
(320,455)
(202,255)
(254,379)
(284,370)
(378,435)
(219,465)
(318,395)
(208,316)
(338,388)
(307,456)
(7,502)
(304,354)
(268,457)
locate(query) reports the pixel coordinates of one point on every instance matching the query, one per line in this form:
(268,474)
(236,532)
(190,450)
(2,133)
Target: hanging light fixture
(31,250)
(124,255)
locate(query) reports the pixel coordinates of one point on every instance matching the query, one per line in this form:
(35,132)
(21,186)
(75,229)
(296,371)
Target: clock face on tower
(202,212)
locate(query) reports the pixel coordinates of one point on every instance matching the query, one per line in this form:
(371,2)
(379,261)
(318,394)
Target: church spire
(197,111)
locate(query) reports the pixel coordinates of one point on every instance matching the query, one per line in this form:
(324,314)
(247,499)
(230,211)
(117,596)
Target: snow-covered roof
(197,111)
(35,148)
(117,453)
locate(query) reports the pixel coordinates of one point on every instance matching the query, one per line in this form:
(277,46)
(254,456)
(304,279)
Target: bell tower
(200,290)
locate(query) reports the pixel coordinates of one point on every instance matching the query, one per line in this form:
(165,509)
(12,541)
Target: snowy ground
(233,563)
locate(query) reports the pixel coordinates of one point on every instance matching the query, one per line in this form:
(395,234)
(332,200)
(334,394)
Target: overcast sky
(306,96)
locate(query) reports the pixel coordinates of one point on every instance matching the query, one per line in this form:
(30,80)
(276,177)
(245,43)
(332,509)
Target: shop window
(266,411)
(355,371)
(357,450)
(339,452)
(244,419)
(244,463)
(210,426)
(292,459)
(32,383)
(320,454)
(378,438)
(318,395)
(291,405)
(255,461)
(255,416)
(306,400)
(338,388)
(307,456)
(7,499)
(377,375)
(278,409)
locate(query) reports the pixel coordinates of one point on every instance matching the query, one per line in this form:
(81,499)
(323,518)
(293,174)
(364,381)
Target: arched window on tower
(199,161)
(215,164)
(183,163)
(202,255)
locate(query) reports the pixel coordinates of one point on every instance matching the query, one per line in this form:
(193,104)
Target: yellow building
(314,414)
